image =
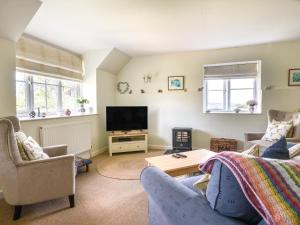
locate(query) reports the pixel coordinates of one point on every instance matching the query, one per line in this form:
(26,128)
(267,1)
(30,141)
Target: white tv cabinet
(130,141)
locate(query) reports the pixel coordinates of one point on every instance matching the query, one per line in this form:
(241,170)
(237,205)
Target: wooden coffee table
(177,167)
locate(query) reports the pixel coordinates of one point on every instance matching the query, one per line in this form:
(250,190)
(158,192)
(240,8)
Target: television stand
(129,141)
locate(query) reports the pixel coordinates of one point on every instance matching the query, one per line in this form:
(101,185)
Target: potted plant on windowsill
(251,104)
(82,101)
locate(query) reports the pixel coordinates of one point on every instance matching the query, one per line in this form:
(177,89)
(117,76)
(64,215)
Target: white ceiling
(140,27)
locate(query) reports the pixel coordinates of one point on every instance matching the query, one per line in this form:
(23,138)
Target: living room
(218,68)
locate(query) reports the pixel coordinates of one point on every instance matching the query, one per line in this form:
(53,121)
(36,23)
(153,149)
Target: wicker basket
(222,144)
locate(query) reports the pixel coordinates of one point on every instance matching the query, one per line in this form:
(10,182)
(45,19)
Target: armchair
(29,182)
(255,138)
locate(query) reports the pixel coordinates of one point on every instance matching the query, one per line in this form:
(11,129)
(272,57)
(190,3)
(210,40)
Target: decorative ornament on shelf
(82,101)
(130,92)
(68,112)
(200,89)
(143,91)
(160,91)
(252,104)
(147,78)
(32,114)
(122,87)
(237,110)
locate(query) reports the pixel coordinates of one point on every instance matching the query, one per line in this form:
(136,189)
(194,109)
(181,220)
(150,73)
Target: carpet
(125,166)
(99,201)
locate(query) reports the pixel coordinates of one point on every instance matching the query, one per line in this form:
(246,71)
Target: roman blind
(36,56)
(231,70)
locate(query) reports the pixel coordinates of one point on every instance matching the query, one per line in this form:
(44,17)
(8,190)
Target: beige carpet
(125,166)
(99,201)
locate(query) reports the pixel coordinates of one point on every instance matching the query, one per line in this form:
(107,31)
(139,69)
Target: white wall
(7,78)
(106,85)
(92,59)
(177,108)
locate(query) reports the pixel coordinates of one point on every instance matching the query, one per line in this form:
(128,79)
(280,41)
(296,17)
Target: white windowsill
(26,119)
(234,113)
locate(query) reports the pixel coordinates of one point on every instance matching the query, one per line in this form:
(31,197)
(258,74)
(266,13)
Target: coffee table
(181,166)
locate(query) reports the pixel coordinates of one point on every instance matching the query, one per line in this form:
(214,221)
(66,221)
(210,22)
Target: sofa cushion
(189,182)
(254,150)
(226,196)
(277,130)
(201,184)
(277,151)
(294,150)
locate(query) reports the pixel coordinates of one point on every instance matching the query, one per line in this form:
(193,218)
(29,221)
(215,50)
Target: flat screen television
(125,118)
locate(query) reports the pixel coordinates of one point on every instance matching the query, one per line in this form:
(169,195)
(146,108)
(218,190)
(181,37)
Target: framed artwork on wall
(294,77)
(175,83)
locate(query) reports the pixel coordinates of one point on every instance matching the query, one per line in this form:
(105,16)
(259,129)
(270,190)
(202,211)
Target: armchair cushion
(33,149)
(55,150)
(21,137)
(277,130)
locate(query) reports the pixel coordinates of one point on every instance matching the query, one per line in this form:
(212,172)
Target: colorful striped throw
(272,186)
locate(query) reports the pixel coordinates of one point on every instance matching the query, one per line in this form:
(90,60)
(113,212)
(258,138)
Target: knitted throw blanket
(271,186)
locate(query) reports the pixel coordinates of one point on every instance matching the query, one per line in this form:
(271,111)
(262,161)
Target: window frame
(227,89)
(29,89)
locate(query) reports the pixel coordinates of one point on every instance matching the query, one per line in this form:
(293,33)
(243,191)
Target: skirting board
(163,147)
(99,151)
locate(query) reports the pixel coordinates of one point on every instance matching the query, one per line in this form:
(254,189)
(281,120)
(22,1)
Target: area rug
(125,166)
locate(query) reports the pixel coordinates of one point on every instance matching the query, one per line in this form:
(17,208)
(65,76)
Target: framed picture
(294,77)
(175,83)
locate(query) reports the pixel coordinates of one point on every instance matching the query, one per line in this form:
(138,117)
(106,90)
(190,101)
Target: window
(49,95)
(228,87)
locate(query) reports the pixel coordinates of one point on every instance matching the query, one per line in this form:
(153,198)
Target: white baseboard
(165,147)
(98,151)
(159,147)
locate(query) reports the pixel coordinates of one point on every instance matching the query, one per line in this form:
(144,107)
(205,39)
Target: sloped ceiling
(114,61)
(15,16)
(140,27)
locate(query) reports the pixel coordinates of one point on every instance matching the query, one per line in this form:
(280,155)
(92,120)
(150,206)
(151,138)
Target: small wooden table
(180,166)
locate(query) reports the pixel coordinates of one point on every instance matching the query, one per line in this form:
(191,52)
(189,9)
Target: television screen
(125,118)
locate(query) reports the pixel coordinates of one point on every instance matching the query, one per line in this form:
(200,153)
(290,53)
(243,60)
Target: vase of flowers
(82,101)
(251,104)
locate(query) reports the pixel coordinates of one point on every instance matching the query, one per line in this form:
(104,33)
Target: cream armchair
(29,182)
(255,138)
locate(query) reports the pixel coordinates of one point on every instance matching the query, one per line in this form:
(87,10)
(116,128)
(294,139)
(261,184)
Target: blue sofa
(173,202)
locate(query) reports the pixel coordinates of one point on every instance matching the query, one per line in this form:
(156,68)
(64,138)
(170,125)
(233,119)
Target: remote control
(176,156)
(181,155)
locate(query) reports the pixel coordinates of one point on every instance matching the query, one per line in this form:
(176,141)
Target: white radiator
(76,135)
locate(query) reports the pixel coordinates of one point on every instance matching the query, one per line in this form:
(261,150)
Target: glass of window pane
(69,97)
(238,98)
(39,93)
(52,98)
(242,83)
(39,79)
(21,97)
(215,101)
(215,85)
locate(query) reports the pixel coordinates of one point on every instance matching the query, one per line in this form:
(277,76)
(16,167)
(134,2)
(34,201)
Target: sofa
(254,138)
(173,202)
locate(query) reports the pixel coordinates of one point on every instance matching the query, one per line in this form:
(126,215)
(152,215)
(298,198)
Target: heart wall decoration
(122,87)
